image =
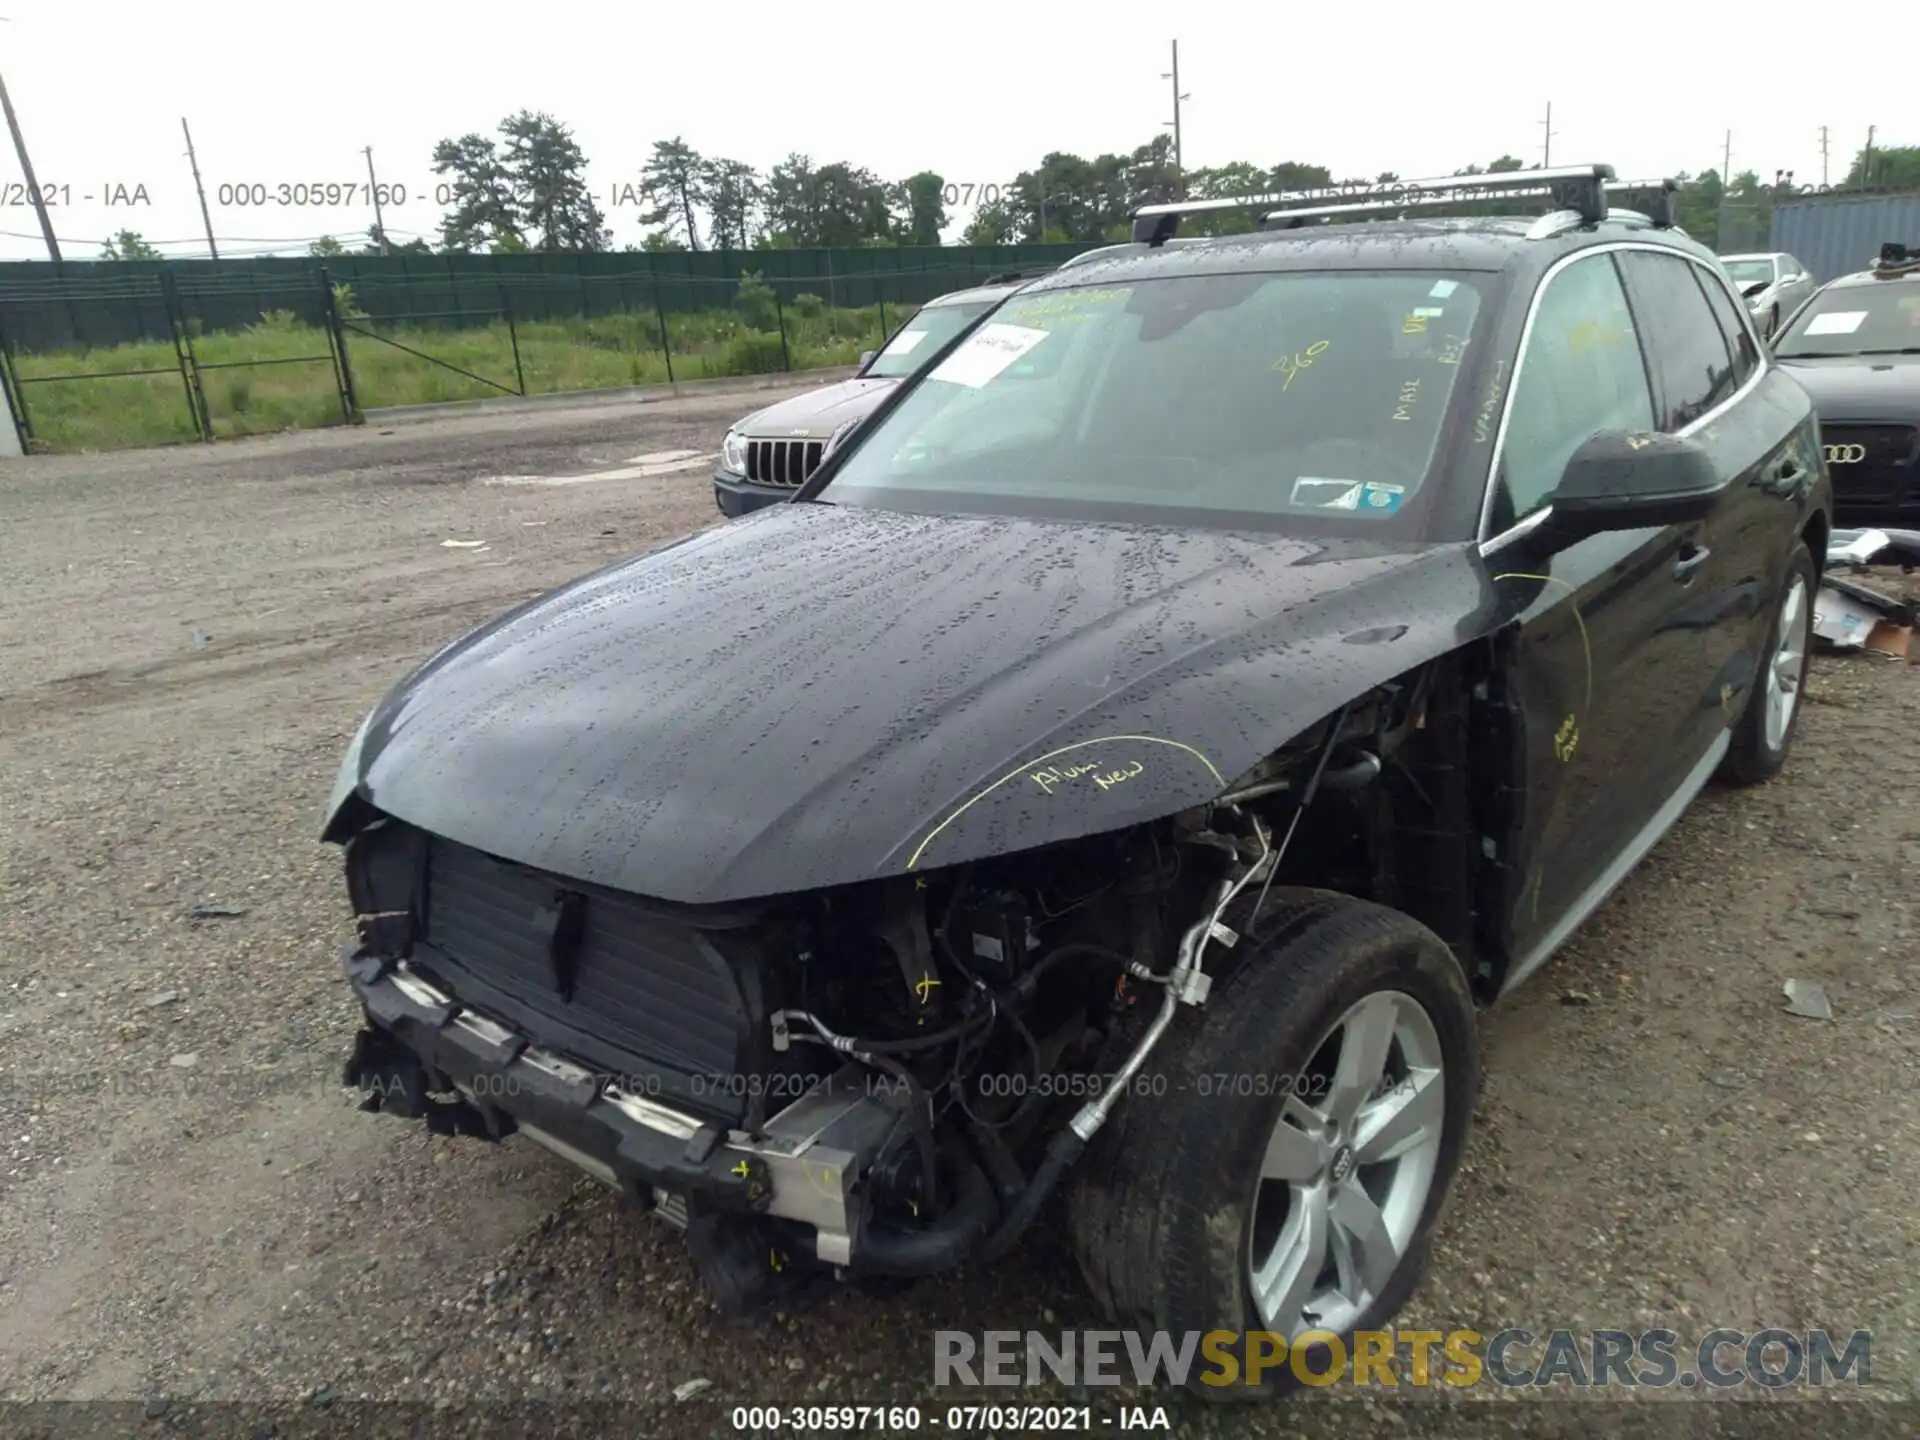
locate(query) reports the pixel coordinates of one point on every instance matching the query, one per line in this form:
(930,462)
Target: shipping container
(1838,233)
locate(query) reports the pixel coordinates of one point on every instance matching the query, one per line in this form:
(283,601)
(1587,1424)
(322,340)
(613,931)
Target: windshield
(1748,272)
(920,339)
(1307,401)
(1882,318)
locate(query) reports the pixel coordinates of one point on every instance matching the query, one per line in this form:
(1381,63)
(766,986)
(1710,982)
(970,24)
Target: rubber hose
(1061,1153)
(937,1247)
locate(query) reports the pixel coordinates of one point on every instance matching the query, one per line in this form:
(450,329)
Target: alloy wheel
(1348,1168)
(1788,667)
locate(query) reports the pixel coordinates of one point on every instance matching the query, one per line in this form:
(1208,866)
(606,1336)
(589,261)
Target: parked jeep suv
(770,454)
(1120,772)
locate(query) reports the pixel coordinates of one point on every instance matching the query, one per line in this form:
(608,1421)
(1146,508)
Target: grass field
(278,374)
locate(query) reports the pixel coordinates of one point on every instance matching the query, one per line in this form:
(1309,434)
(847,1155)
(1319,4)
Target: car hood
(817,413)
(817,695)
(1874,387)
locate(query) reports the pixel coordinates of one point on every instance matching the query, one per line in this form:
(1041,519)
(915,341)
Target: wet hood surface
(817,413)
(817,695)
(1868,387)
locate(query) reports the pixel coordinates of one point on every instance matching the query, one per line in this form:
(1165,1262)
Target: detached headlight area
(733,452)
(349,775)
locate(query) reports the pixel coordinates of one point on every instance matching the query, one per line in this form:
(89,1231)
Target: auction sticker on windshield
(988,351)
(904,342)
(1836,322)
(1363,495)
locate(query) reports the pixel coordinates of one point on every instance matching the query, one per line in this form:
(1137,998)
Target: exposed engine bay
(889,1078)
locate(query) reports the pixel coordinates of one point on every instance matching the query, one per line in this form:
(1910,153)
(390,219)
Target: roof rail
(1577,187)
(1582,197)
(1896,259)
(1657,196)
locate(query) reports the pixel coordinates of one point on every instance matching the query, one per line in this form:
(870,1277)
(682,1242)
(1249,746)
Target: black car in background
(1123,767)
(1855,346)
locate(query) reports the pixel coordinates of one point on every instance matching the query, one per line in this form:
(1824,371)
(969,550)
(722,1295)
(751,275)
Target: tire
(1773,323)
(1760,742)
(1168,1205)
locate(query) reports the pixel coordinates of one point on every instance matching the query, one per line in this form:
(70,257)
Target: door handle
(1690,559)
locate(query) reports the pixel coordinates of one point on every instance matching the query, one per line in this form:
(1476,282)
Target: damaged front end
(885,1078)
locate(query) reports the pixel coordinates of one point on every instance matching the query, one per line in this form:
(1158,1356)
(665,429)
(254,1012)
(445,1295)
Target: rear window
(1748,272)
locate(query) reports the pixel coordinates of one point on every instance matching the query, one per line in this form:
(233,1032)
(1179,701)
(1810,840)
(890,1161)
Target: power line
(200,240)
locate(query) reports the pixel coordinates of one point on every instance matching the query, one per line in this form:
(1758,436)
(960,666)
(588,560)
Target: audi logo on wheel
(1846,454)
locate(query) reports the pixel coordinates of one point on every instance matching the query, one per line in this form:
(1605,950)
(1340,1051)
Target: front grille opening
(1871,462)
(787,463)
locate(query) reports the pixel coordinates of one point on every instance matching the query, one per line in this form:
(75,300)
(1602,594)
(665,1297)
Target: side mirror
(1632,480)
(866,358)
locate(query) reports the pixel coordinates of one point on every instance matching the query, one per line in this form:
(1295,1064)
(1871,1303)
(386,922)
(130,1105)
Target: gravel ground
(192,1211)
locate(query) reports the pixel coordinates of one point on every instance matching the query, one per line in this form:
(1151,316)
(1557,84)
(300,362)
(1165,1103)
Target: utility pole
(205,218)
(1726,163)
(26,172)
(373,186)
(1866,170)
(1179,169)
(1546,145)
(1823,157)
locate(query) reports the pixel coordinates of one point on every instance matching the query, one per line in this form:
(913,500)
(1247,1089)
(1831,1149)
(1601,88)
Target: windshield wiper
(1896,350)
(1816,355)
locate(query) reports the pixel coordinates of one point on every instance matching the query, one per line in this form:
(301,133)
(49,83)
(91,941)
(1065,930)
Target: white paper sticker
(1429,311)
(1325,494)
(988,351)
(1443,288)
(904,342)
(1835,322)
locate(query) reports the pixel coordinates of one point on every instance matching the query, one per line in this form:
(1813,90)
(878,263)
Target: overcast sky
(978,93)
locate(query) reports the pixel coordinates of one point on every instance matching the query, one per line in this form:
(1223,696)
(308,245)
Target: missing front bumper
(421,1044)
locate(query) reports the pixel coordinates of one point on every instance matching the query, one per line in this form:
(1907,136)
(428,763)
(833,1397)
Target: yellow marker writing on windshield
(1292,365)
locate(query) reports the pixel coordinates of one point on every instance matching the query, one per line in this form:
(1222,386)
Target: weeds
(556,355)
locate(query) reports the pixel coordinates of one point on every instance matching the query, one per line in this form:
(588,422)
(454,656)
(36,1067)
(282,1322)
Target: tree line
(524,189)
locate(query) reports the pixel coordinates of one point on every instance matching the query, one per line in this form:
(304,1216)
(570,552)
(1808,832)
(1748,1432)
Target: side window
(1582,373)
(1746,354)
(1684,341)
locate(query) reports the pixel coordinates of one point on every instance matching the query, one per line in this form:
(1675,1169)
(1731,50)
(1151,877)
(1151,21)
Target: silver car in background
(767,456)
(1773,284)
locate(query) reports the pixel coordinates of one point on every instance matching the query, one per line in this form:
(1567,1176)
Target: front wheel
(1765,729)
(1773,323)
(1286,1178)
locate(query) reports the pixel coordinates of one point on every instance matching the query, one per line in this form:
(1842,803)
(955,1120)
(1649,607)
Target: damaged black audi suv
(1110,787)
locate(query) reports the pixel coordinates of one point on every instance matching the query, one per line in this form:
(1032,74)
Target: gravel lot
(191,1209)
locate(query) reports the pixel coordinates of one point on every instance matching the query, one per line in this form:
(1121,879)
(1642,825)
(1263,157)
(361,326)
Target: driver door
(1603,676)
